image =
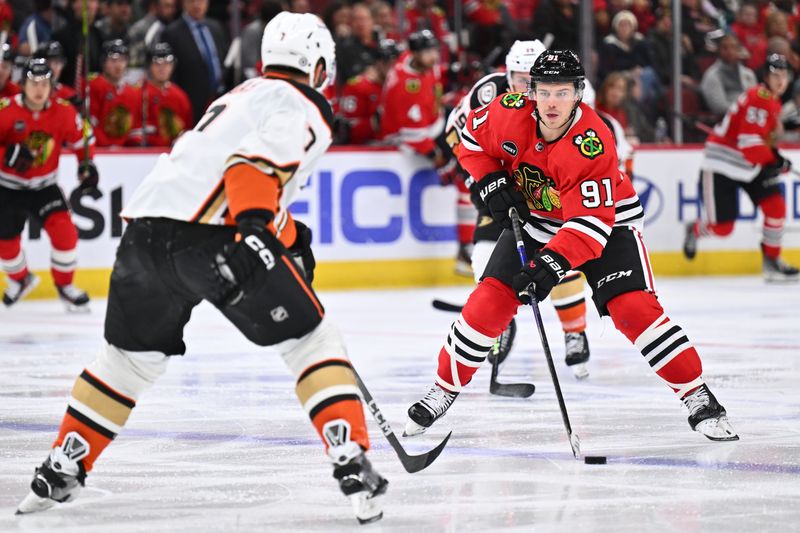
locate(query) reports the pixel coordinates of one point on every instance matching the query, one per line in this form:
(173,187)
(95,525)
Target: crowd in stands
(723,46)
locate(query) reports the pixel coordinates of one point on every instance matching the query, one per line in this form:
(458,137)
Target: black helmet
(555,66)
(51,50)
(387,50)
(161,51)
(116,47)
(776,62)
(422,40)
(8,53)
(36,69)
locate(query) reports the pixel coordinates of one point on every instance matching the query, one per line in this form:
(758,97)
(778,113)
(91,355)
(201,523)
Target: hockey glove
(499,192)
(544,271)
(781,163)
(256,248)
(18,157)
(87,175)
(301,250)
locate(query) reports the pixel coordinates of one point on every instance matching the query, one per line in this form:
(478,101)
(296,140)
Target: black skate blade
(723,439)
(512,390)
(370,520)
(446,306)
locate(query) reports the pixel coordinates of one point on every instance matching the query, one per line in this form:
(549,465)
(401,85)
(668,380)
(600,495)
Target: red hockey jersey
(43,132)
(65,92)
(168,114)
(742,143)
(10,89)
(411,112)
(574,188)
(358,105)
(113,110)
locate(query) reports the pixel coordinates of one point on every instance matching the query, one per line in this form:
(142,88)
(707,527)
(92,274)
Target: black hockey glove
(18,157)
(301,250)
(499,192)
(87,175)
(545,269)
(255,248)
(781,163)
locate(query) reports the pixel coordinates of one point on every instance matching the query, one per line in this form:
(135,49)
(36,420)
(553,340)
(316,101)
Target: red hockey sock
(774,209)
(719,229)
(12,258)
(64,239)
(489,309)
(664,345)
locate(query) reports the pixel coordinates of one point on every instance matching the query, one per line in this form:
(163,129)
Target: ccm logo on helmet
(263,252)
(615,275)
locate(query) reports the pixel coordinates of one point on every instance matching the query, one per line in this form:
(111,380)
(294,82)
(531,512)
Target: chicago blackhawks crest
(513,100)
(170,124)
(539,190)
(589,144)
(118,122)
(41,146)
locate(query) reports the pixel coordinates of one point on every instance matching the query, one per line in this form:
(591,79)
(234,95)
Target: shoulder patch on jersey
(413,85)
(539,190)
(513,100)
(589,144)
(510,147)
(4,103)
(763,92)
(487,93)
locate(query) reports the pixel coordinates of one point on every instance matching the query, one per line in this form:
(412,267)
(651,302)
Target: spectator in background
(355,52)
(555,23)
(251,37)
(71,38)
(113,103)
(790,116)
(147,30)
(199,46)
(337,18)
(38,28)
(727,78)
(624,48)
(490,26)
(426,15)
(299,6)
(660,41)
(7,87)
(53,52)
(777,25)
(163,109)
(695,24)
(360,96)
(750,33)
(116,23)
(385,22)
(643,11)
(611,95)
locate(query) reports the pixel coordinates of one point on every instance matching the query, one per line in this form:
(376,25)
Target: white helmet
(521,57)
(299,41)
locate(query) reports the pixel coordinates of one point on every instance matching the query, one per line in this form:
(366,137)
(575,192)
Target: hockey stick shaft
(412,463)
(441,305)
(85,74)
(573,438)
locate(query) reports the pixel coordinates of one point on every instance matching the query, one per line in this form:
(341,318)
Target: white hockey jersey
(274,125)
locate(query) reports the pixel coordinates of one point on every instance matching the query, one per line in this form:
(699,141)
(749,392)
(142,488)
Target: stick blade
(512,390)
(446,306)
(575,443)
(415,463)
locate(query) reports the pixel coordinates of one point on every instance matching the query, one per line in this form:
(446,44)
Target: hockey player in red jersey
(740,154)
(360,97)
(112,102)
(162,106)
(7,87)
(33,128)
(553,159)
(53,52)
(211,222)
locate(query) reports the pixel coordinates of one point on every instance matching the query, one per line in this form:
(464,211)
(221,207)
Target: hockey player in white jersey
(210,222)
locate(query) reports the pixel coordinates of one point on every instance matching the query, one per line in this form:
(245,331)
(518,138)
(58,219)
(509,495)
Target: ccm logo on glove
(263,252)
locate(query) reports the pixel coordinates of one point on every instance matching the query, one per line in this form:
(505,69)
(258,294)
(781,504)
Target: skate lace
(697,400)
(437,400)
(574,342)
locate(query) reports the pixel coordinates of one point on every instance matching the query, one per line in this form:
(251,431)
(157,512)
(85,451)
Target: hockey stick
(574,441)
(446,306)
(412,463)
(512,390)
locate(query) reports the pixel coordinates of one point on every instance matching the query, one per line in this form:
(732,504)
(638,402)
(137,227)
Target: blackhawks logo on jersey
(539,190)
(589,144)
(513,100)
(413,85)
(4,103)
(170,124)
(41,146)
(118,122)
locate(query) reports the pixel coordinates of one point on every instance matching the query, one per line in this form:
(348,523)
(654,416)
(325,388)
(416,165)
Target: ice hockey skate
(463,266)
(17,290)
(577,353)
(777,271)
(707,416)
(60,477)
(428,410)
(690,242)
(358,481)
(75,299)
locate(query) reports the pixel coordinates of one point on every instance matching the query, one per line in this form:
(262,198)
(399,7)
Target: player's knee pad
(633,312)
(720,229)
(129,373)
(61,230)
(490,307)
(481,253)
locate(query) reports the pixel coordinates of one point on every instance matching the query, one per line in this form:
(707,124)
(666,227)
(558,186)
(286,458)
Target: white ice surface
(221,444)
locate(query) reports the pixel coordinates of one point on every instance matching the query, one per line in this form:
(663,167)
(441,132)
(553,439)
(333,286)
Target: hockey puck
(595,459)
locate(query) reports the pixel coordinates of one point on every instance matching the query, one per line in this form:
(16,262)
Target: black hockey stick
(574,441)
(446,306)
(513,390)
(412,463)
